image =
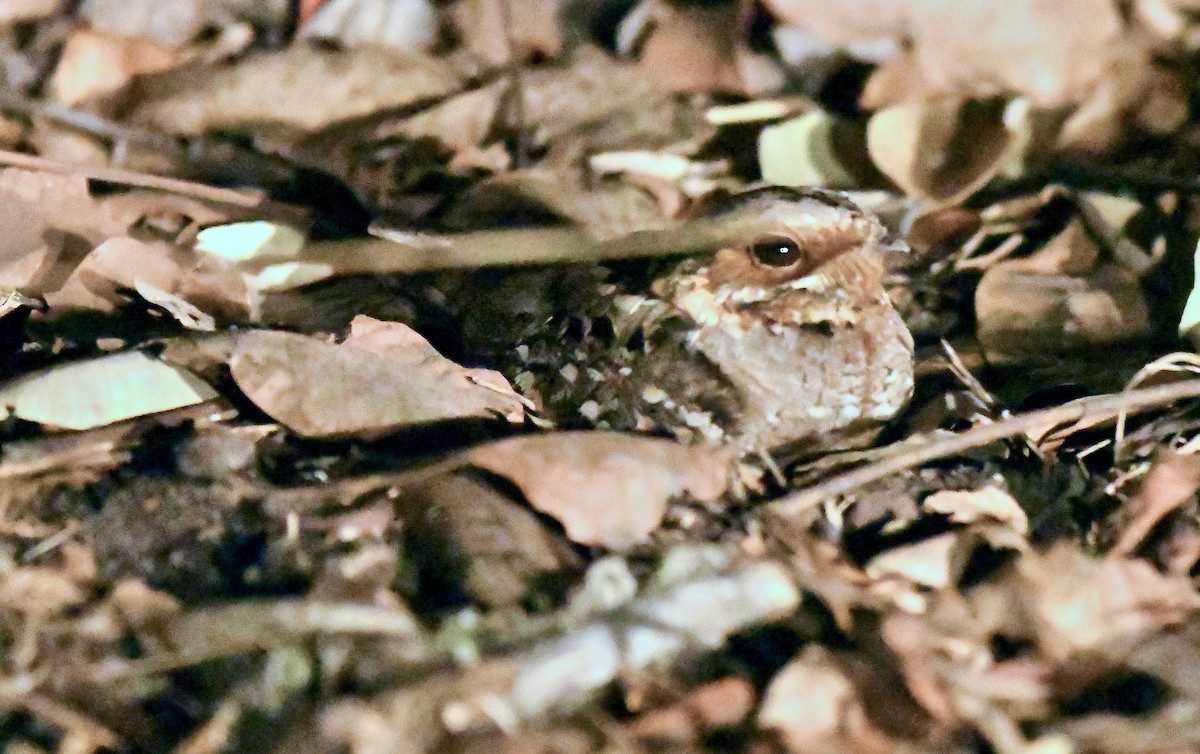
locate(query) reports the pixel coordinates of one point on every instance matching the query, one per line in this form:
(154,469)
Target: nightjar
(782,336)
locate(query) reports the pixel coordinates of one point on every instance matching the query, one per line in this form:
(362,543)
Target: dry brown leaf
(503,31)
(950,670)
(1108,218)
(467,535)
(917,643)
(141,606)
(407,347)
(185,313)
(846,22)
(64,203)
(595,103)
(95,281)
(1097,122)
(724,703)
(692,48)
(1076,54)
(300,88)
(1089,605)
(84,457)
(40,591)
(942,228)
(317,389)
(168,22)
(50,222)
(13,11)
(415,716)
(609,210)
(95,65)
(672,179)
(105,390)
(1069,293)
(576,107)
(1153,98)
(1019,313)
(199,283)
(815,708)
(605,488)
(462,122)
(1071,252)
(1053,52)
(27,251)
(943,149)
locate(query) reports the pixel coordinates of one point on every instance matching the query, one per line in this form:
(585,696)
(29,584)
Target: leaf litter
(282,284)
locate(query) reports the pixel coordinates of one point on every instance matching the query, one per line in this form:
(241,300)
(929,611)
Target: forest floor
(388,376)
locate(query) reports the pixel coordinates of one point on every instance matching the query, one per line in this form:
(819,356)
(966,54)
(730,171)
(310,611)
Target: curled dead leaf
(845,22)
(1055,53)
(185,313)
(804,151)
(942,149)
(318,389)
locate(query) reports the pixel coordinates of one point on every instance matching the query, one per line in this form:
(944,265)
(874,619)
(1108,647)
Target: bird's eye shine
(777,251)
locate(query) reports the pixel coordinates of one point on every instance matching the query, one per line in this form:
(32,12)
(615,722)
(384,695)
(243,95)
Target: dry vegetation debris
(366,380)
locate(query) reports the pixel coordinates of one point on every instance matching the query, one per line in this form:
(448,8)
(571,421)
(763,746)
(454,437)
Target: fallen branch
(909,455)
(133,178)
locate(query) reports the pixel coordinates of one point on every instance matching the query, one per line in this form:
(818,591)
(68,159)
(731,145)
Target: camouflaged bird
(782,337)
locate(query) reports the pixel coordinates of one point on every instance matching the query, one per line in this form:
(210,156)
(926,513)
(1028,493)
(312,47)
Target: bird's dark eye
(777,251)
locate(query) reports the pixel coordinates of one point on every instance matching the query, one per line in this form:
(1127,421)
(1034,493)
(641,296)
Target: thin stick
(210,633)
(132,178)
(401,252)
(946,446)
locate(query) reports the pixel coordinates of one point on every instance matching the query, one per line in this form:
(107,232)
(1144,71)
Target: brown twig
(908,456)
(132,178)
